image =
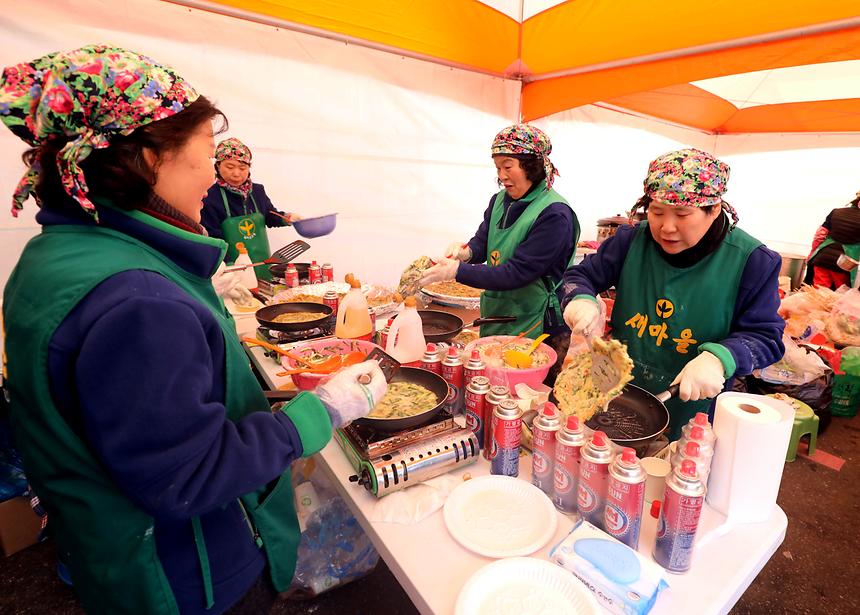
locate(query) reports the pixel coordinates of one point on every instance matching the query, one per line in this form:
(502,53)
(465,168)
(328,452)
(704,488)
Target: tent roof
(662,59)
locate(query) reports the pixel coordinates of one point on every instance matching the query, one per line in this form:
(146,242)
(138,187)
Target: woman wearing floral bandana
(696,298)
(163,469)
(238,210)
(526,241)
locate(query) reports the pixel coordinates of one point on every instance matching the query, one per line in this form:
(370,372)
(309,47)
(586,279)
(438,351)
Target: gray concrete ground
(813,572)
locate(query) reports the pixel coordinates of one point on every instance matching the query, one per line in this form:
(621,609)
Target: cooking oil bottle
(353,314)
(405,341)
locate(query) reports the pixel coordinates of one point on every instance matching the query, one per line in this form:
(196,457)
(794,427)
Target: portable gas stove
(287,337)
(388,462)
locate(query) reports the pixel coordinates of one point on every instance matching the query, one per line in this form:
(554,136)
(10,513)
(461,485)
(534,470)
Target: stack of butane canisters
(697,444)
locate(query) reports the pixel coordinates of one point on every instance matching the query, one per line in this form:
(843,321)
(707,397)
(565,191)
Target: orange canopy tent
(658,59)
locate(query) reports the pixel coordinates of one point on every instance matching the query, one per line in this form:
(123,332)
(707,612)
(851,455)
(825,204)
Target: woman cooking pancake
(696,299)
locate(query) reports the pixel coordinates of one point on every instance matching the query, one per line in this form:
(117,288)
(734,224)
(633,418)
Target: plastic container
(315,227)
(353,314)
(247,277)
(324,347)
(405,341)
(532,376)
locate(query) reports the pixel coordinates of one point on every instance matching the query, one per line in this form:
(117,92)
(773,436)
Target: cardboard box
(19,525)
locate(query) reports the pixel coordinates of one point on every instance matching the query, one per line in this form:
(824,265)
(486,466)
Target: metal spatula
(281,257)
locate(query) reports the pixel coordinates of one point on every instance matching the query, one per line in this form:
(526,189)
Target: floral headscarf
(526,139)
(92,93)
(689,178)
(233,149)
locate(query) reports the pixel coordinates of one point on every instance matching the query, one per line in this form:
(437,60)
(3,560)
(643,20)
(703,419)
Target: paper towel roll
(752,439)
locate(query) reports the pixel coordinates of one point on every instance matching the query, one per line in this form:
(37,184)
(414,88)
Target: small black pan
(278,270)
(441,326)
(428,380)
(266,315)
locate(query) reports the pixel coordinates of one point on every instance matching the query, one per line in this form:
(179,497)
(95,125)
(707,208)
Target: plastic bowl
(532,376)
(330,346)
(315,227)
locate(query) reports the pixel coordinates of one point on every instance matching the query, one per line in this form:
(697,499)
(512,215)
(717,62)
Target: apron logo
(247,227)
(495,258)
(665,308)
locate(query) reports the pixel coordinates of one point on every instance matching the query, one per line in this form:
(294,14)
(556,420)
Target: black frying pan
(428,380)
(278,270)
(441,326)
(265,315)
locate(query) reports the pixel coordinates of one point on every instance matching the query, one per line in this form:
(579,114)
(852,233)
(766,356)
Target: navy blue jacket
(755,337)
(213,213)
(137,336)
(545,251)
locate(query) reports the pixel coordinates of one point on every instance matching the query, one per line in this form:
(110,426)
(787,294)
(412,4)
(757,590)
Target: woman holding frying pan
(696,298)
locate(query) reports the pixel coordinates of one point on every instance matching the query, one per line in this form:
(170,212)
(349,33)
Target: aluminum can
(507,432)
(383,334)
(452,372)
(569,441)
(625,497)
(544,428)
(330,299)
(314,273)
(327,272)
(474,367)
(679,518)
(692,451)
(596,454)
(476,392)
(497,393)
(291,276)
(431,360)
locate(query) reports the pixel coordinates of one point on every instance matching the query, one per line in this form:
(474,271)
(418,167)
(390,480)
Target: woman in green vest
(839,234)
(696,298)
(525,242)
(238,210)
(163,469)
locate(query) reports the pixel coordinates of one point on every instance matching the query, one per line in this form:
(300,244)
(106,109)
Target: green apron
(530,302)
(249,229)
(850,249)
(665,314)
(94,524)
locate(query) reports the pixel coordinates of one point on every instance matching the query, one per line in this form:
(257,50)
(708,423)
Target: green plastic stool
(805,423)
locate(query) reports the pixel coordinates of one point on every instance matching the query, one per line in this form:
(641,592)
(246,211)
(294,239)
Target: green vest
(249,229)
(104,538)
(530,302)
(665,314)
(849,249)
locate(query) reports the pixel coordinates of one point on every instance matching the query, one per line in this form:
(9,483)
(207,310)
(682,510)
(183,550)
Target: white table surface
(432,567)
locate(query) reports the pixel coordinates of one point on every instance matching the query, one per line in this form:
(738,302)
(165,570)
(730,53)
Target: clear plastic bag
(797,366)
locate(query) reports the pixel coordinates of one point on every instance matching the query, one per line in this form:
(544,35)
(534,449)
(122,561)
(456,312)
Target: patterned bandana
(92,94)
(233,149)
(526,139)
(688,178)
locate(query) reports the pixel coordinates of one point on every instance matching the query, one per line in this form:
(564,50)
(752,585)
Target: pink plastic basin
(326,347)
(510,376)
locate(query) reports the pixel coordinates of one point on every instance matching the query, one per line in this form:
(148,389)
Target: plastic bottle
(405,340)
(353,314)
(247,277)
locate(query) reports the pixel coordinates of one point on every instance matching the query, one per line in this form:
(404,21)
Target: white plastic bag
(797,366)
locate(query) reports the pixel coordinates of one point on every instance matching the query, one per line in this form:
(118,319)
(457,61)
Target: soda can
(679,518)
(569,441)
(507,430)
(544,428)
(330,299)
(431,360)
(291,276)
(476,392)
(596,455)
(314,273)
(327,272)
(625,496)
(452,372)
(497,393)
(475,366)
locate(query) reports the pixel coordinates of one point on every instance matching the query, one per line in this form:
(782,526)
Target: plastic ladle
(523,360)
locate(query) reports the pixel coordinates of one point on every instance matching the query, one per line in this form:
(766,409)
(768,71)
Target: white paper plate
(525,586)
(500,516)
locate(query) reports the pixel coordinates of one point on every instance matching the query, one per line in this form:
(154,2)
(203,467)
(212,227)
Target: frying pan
(266,315)
(441,326)
(428,380)
(279,269)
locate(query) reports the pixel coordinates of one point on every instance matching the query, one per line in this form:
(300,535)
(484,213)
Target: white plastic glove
(582,315)
(459,251)
(224,282)
(701,378)
(241,296)
(445,269)
(347,399)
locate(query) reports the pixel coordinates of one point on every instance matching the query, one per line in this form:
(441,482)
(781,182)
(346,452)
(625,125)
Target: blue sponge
(616,561)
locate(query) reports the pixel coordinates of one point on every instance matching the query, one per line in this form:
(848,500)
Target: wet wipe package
(623,581)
